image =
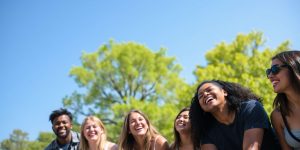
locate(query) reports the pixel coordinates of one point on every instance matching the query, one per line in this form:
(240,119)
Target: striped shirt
(73,145)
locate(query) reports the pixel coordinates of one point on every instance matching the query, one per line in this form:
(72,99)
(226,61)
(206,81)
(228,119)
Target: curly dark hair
(59,112)
(201,120)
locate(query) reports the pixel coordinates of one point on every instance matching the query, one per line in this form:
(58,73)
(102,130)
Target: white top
(290,140)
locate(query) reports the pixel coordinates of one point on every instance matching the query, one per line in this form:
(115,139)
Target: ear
(225,93)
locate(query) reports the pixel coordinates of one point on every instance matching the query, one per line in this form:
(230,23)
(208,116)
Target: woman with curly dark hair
(227,116)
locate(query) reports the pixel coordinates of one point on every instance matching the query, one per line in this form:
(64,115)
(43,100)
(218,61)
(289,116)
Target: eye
(186,117)
(200,95)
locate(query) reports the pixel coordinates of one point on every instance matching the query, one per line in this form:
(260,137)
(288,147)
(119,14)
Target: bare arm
(161,144)
(253,139)
(278,125)
(208,147)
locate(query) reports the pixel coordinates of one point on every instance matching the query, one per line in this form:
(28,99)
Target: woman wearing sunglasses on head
(284,75)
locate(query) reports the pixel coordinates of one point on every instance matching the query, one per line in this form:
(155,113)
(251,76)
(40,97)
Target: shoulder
(252,106)
(160,142)
(160,139)
(112,146)
(51,146)
(276,117)
(251,103)
(75,137)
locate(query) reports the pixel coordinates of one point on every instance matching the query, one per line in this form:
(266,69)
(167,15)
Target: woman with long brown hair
(284,75)
(139,134)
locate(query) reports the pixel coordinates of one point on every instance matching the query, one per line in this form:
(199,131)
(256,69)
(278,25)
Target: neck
(185,139)
(293,98)
(65,140)
(93,146)
(139,142)
(224,116)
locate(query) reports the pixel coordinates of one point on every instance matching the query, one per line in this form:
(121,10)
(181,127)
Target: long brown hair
(177,140)
(292,60)
(127,141)
(84,145)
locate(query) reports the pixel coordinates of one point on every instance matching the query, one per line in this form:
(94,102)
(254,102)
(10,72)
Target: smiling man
(66,139)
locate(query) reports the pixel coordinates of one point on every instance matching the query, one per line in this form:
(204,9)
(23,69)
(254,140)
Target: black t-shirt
(230,137)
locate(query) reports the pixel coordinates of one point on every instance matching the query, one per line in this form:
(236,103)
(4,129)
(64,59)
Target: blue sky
(42,40)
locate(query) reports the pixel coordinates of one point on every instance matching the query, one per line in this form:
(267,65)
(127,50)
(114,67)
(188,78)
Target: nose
(92,129)
(138,122)
(181,118)
(205,93)
(60,124)
(270,75)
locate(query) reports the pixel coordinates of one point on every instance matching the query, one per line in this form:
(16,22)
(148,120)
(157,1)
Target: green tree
(18,140)
(42,141)
(243,61)
(122,76)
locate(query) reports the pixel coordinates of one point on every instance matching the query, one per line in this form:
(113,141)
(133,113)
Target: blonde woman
(138,134)
(93,135)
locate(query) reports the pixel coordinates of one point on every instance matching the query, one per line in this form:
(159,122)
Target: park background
(41,41)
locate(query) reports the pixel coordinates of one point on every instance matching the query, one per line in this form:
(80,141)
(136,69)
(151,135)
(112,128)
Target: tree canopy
(123,76)
(243,61)
(119,77)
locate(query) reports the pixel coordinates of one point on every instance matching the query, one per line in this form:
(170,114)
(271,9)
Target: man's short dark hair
(59,112)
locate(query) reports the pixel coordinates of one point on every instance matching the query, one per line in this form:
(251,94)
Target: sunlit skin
(282,84)
(280,81)
(92,132)
(62,126)
(183,126)
(212,98)
(182,123)
(137,124)
(138,127)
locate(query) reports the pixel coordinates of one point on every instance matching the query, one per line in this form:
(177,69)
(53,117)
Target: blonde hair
(127,141)
(84,145)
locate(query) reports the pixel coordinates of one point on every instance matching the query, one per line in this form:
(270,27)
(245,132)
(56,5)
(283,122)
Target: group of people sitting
(222,116)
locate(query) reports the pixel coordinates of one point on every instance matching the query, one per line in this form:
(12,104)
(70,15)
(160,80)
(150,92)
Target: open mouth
(181,124)
(208,100)
(139,128)
(274,83)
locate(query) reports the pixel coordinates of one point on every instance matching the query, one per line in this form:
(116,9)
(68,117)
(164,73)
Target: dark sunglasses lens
(275,69)
(268,71)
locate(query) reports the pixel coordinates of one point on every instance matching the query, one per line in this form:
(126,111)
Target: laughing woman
(182,132)
(227,116)
(93,135)
(138,134)
(284,75)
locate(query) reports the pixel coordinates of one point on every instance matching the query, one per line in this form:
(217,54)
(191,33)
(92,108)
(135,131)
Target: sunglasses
(275,69)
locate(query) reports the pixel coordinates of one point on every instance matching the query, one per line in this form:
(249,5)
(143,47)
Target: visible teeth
(274,82)
(208,100)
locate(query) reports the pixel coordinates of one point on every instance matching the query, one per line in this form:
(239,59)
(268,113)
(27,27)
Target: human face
(211,96)
(62,126)
(137,124)
(92,131)
(182,122)
(280,81)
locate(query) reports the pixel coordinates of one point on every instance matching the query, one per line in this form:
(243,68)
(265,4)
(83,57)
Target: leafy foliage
(120,77)
(243,61)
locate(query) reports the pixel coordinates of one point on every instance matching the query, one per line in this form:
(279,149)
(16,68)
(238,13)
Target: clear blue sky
(42,40)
